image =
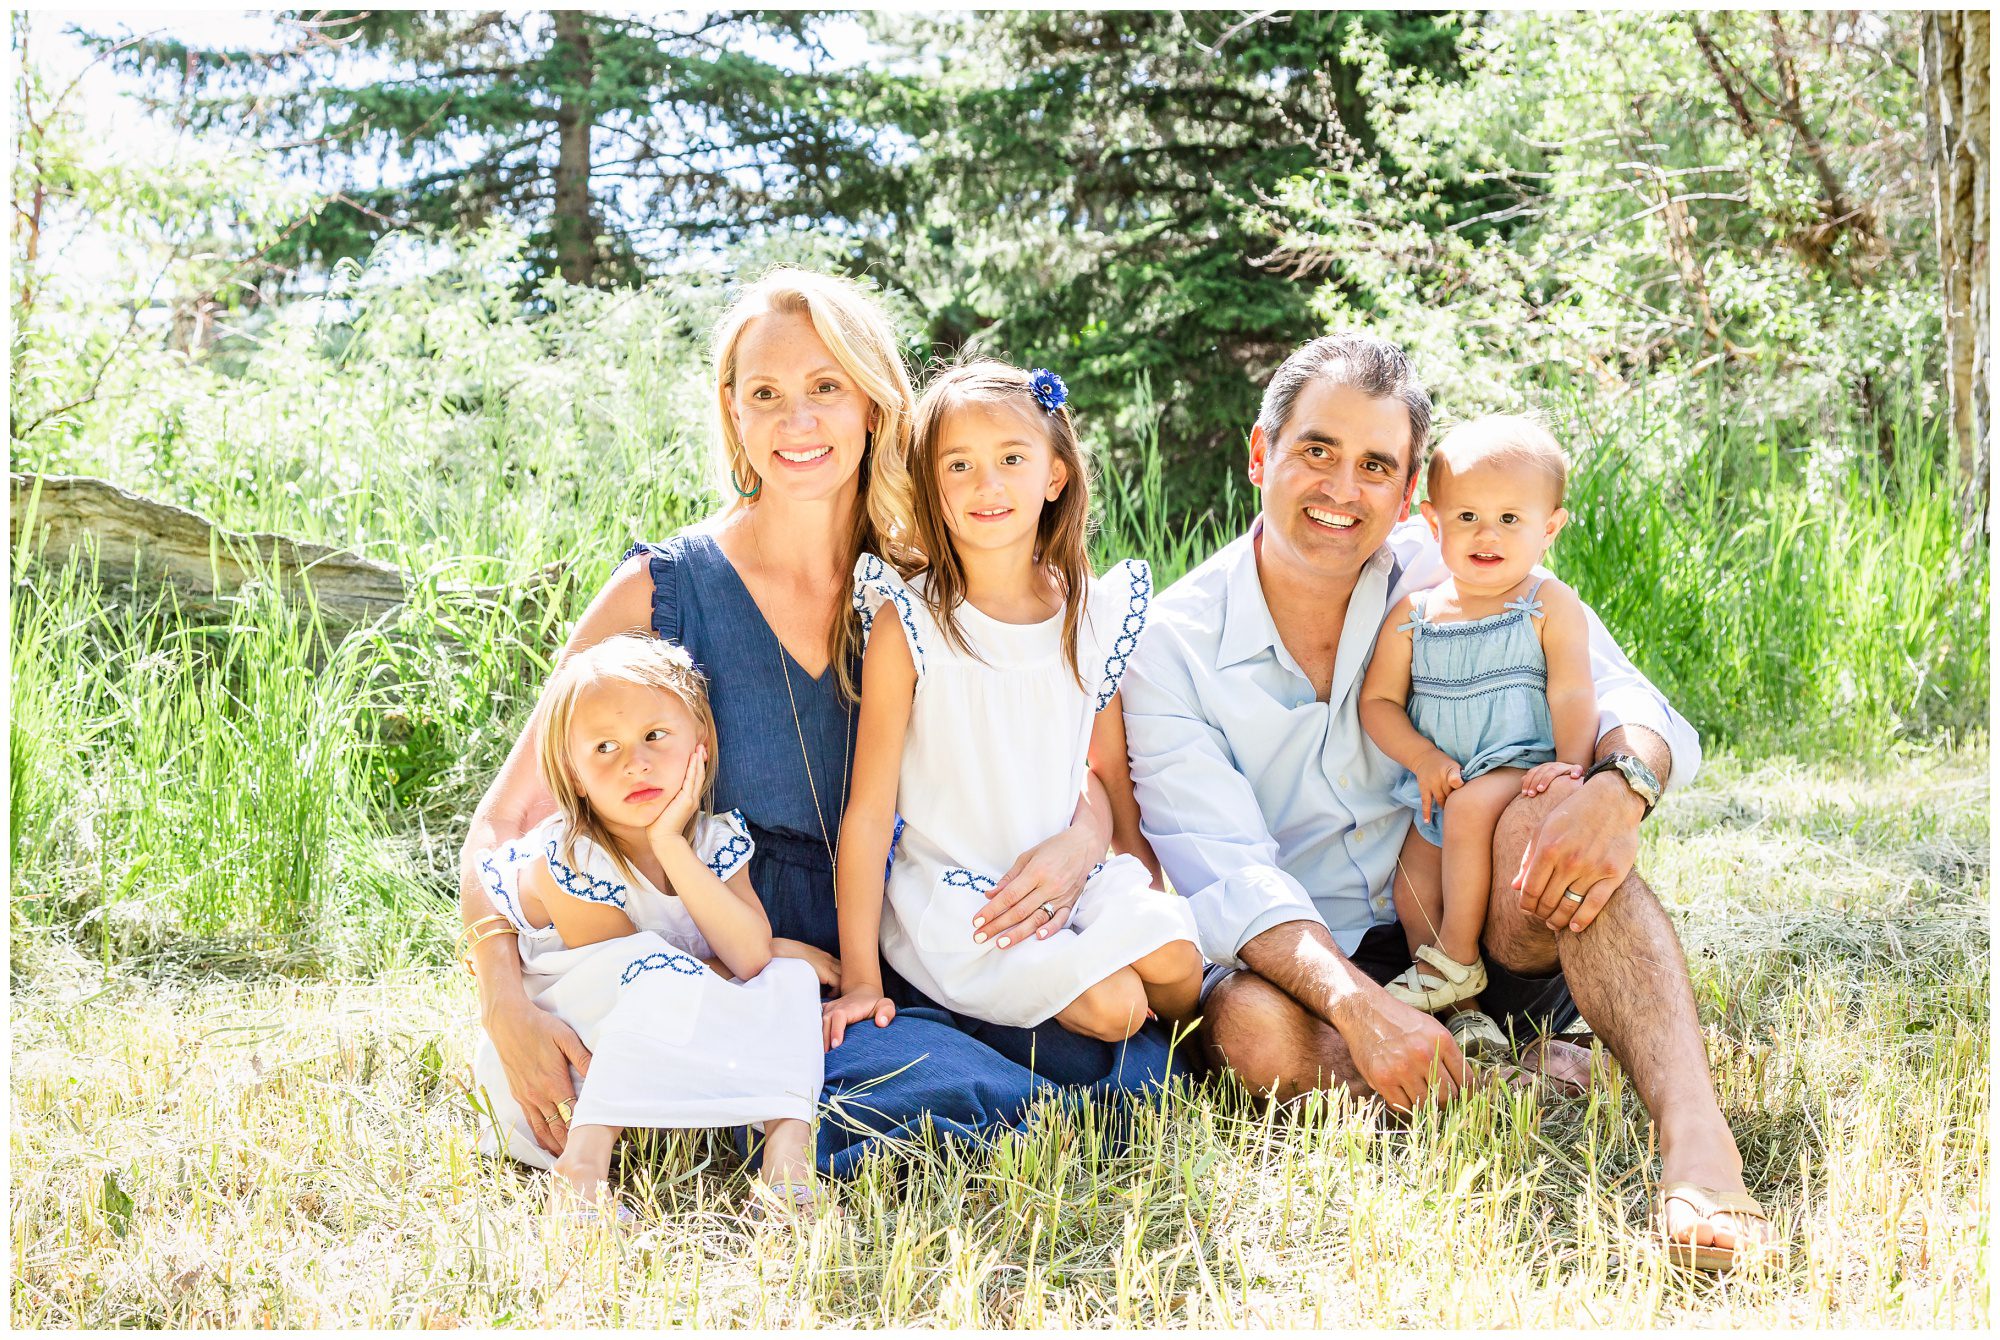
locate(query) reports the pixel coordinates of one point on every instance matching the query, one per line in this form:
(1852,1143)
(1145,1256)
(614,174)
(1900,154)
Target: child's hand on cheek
(674,818)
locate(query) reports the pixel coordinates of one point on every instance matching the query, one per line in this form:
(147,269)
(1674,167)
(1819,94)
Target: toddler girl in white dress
(635,912)
(989,681)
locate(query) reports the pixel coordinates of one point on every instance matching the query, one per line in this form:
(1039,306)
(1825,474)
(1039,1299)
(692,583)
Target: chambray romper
(1479,690)
(966,1077)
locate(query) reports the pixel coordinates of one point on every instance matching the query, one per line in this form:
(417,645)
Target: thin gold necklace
(830,838)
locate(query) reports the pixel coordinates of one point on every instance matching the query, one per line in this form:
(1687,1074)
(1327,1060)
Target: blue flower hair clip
(1049,391)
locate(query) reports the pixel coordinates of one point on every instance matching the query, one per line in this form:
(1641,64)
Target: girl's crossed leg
(1167,981)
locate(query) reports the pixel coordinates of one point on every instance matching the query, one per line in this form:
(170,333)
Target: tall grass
(184,773)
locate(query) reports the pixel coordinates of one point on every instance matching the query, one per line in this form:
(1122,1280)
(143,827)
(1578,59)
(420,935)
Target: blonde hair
(1501,439)
(1063,532)
(855,330)
(630,658)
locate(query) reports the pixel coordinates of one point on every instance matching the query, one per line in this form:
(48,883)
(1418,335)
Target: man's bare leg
(1273,1043)
(1630,982)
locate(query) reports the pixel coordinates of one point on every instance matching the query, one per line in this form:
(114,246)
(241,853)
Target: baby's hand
(825,965)
(1544,775)
(674,818)
(1437,777)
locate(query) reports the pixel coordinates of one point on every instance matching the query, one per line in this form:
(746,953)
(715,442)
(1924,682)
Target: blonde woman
(815,408)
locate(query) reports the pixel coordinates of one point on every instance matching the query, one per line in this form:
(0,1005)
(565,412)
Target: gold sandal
(1707,1202)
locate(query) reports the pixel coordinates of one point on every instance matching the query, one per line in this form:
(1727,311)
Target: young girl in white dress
(635,912)
(988,682)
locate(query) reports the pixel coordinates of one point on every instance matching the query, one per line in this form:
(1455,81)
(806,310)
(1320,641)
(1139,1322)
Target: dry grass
(192,1148)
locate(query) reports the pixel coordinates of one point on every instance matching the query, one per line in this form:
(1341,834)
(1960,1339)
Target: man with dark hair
(1270,808)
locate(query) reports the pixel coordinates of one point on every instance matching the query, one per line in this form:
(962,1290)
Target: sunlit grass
(206,1147)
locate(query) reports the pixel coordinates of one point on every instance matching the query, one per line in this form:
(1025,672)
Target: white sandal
(1478,1037)
(1429,992)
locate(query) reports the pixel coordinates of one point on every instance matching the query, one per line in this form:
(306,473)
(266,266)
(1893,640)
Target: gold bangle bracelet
(493,934)
(467,935)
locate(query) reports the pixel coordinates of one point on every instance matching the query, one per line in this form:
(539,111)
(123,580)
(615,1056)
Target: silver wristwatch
(1636,774)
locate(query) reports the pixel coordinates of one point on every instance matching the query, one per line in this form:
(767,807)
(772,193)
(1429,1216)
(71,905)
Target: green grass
(234,839)
(194,1147)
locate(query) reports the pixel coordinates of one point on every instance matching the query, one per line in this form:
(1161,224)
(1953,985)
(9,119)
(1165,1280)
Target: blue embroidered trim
(958,878)
(733,853)
(895,841)
(685,964)
(580,884)
(1133,624)
(875,574)
(638,547)
(498,888)
(1539,675)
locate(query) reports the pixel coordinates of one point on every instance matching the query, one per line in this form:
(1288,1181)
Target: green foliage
(1077,192)
(1764,215)
(602,137)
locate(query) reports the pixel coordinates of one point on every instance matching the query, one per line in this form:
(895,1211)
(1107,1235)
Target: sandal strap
(1454,971)
(1706,1201)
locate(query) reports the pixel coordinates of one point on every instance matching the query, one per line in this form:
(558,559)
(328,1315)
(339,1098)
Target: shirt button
(1343,781)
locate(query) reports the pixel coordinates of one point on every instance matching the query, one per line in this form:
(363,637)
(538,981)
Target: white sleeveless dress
(672,1042)
(994,760)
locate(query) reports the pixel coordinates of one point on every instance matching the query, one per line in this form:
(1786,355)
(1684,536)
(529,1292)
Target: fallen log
(138,542)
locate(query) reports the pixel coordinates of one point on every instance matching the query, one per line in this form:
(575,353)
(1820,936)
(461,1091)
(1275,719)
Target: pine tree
(607,139)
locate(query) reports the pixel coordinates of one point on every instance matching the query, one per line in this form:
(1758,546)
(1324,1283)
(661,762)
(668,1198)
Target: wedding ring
(563,1110)
(1049,911)
(1573,895)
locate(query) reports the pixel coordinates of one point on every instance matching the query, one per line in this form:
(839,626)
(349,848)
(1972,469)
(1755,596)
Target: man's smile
(1333,520)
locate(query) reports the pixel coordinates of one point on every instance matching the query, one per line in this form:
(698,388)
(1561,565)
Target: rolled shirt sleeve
(1199,813)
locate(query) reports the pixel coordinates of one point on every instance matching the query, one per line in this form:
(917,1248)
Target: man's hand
(825,965)
(1403,1054)
(1437,777)
(864,1002)
(537,1050)
(1051,872)
(1587,843)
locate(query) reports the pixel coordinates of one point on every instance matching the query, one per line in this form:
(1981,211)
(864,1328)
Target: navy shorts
(1524,1007)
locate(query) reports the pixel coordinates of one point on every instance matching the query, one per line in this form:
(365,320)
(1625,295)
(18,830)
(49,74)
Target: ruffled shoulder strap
(1119,601)
(584,870)
(663,563)
(875,583)
(723,842)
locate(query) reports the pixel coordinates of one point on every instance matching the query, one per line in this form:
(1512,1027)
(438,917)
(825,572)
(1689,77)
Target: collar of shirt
(1249,631)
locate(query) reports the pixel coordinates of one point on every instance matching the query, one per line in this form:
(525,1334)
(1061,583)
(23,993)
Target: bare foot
(1571,1071)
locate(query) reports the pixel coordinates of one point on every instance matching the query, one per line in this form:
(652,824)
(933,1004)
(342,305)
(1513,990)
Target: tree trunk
(1956,53)
(137,543)
(575,227)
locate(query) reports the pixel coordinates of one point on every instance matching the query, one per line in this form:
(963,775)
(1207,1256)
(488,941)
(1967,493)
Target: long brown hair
(634,658)
(858,334)
(1063,532)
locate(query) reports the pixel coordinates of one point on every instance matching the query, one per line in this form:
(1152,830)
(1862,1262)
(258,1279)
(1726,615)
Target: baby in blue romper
(1481,688)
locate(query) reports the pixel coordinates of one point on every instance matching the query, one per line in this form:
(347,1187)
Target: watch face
(1641,778)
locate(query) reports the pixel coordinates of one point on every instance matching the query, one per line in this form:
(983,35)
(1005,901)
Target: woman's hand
(673,820)
(825,965)
(861,1003)
(537,1050)
(1036,894)
(1544,775)
(1437,777)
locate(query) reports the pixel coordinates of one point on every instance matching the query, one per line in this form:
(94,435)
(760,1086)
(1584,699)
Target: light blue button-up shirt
(1266,805)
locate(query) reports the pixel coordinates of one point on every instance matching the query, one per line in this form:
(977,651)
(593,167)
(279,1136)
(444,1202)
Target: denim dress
(1479,690)
(788,778)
